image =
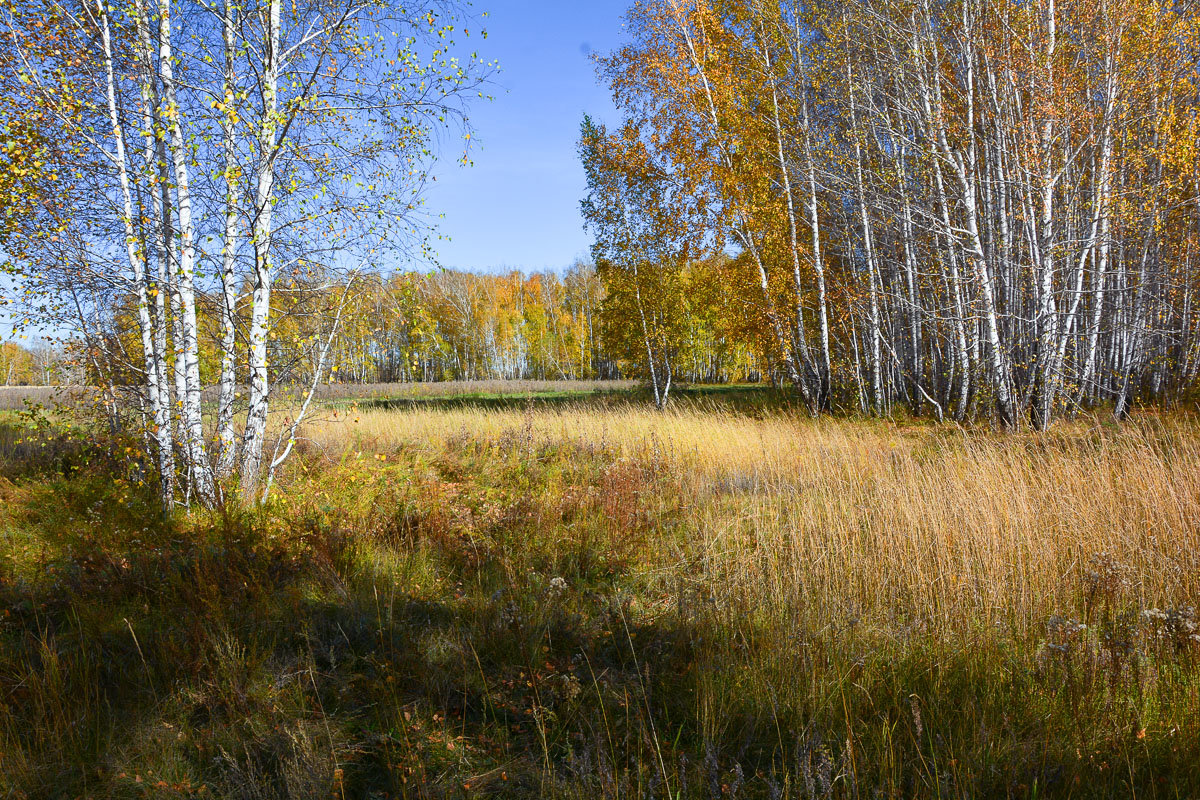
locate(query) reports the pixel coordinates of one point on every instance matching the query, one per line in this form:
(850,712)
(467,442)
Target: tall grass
(15,397)
(612,602)
(928,547)
(965,526)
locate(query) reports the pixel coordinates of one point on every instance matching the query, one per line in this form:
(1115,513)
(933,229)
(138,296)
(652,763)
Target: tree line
(409,327)
(451,325)
(969,208)
(455,325)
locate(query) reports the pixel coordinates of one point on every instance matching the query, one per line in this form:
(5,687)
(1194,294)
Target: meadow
(15,398)
(581,597)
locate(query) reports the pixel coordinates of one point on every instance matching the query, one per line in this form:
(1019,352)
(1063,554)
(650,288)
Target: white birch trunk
(190,409)
(137,261)
(226,439)
(814,222)
(801,340)
(1047,316)
(1102,236)
(965,171)
(874,352)
(256,419)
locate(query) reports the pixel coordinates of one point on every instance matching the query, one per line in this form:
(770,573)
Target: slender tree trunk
(137,261)
(199,466)
(802,356)
(965,169)
(1047,313)
(660,400)
(873,333)
(1103,236)
(256,419)
(814,222)
(910,279)
(226,437)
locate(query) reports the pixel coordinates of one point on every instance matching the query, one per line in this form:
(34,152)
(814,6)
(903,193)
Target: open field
(13,398)
(489,395)
(478,389)
(597,600)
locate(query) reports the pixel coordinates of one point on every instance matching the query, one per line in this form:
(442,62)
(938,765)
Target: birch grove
(967,210)
(975,209)
(185,156)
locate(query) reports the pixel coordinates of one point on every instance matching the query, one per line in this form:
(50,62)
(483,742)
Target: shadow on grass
(258,660)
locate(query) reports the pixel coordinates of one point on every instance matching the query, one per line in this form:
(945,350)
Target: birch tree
(999,206)
(209,148)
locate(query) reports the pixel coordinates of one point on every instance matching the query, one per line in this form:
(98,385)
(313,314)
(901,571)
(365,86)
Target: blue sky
(518,206)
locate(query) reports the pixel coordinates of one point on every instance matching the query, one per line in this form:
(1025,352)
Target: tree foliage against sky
(160,158)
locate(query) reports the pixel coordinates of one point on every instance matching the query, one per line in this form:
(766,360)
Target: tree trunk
(256,418)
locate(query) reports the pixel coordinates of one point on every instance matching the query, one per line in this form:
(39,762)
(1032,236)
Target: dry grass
(609,602)
(490,388)
(13,398)
(829,552)
(955,526)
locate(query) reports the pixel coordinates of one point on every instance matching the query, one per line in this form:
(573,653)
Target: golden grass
(952,527)
(493,388)
(838,564)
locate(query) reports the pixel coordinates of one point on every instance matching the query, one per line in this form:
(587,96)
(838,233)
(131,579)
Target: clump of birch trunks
(583,603)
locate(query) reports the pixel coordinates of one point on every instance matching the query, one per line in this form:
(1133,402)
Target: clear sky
(518,206)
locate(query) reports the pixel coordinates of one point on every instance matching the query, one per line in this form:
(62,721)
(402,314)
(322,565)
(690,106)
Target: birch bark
(256,419)
(199,467)
(137,261)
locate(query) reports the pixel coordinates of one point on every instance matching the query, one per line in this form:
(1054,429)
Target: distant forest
(446,325)
(31,364)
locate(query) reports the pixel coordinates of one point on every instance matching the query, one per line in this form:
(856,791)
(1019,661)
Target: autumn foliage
(971,209)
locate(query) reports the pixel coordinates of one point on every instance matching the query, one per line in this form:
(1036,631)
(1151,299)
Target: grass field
(471,389)
(585,598)
(441,394)
(15,398)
